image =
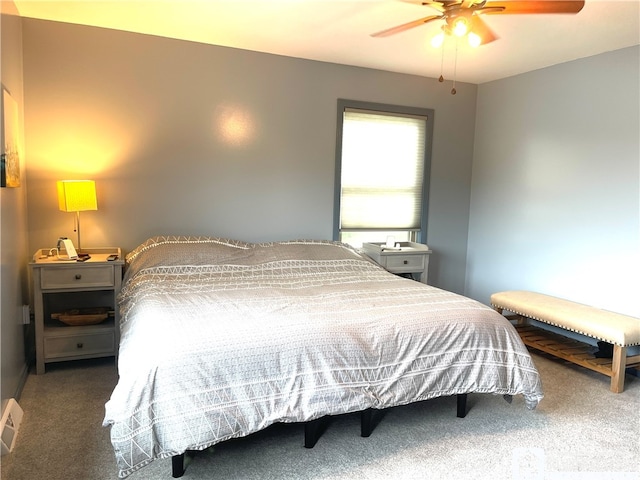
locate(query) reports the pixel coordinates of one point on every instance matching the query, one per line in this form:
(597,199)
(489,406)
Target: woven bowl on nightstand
(83,316)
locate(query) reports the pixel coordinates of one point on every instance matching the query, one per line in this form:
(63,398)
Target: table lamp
(77,196)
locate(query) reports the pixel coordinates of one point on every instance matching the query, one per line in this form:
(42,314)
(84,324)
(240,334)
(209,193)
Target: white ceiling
(339,31)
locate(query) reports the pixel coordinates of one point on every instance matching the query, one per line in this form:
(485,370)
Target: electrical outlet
(26,315)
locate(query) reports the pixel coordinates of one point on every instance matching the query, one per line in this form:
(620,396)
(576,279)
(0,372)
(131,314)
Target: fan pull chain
(441,79)
(455,70)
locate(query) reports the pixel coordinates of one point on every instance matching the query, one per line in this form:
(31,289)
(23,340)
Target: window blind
(382,170)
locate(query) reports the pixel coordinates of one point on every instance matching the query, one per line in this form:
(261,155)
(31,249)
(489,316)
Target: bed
(222,338)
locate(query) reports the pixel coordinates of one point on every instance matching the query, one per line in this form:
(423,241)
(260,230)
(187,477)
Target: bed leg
(366,422)
(462,405)
(313,430)
(177,465)
(369,419)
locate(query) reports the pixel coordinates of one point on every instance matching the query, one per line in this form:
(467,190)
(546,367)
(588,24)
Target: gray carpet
(580,431)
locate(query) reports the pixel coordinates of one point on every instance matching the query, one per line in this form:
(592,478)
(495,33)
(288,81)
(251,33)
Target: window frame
(399,110)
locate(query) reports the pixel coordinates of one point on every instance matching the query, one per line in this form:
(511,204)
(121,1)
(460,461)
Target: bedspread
(221,338)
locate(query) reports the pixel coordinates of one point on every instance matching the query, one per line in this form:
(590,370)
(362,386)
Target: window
(382,172)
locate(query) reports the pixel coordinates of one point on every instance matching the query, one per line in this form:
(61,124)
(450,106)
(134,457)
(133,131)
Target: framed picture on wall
(10,159)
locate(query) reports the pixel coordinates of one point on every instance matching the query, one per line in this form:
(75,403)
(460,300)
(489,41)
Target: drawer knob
(406,261)
(78,276)
(79,345)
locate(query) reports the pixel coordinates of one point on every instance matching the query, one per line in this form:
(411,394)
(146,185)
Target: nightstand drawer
(403,258)
(79,345)
(410,262)
(77,277)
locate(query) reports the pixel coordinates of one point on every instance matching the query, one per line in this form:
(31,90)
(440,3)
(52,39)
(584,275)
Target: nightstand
(409,257)
(61,286)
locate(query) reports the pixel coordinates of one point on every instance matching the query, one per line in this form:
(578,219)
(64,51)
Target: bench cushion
(603,325)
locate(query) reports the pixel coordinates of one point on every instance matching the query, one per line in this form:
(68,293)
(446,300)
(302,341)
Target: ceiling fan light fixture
(474,40)
(460,26)
(438,40)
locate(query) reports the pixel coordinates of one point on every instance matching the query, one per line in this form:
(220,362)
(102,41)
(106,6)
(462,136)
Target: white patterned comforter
(222,338)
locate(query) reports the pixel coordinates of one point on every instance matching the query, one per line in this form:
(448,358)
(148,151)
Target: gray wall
(13,227)
(145,118)
(555,171)
(555,204)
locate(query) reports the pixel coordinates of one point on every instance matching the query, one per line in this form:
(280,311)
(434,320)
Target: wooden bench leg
(519,318)
(618,367)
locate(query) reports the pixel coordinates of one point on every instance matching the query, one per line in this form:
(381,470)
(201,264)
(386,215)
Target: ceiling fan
(462,17)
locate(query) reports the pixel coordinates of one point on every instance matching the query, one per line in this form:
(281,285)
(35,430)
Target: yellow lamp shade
(77,195)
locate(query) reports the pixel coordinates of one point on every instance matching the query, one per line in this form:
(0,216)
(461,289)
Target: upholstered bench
(621,331)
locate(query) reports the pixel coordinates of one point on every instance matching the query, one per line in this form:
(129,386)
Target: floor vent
(11,419)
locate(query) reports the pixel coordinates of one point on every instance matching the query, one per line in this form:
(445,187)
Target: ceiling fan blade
(480,28)
(539,6)
(405,26)
(436,4)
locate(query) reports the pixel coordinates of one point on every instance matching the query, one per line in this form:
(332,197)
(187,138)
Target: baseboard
(21,382)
